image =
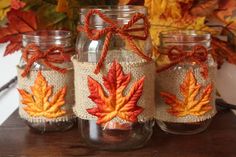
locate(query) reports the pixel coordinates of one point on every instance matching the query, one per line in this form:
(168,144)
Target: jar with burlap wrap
(185,86)
(114,77)
(45,74)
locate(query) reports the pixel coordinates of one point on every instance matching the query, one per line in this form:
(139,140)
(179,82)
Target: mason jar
(185,86)
(119,132)
(45,73)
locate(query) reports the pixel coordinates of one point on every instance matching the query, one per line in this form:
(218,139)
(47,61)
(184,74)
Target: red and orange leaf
(115,104)
(190,105)
(38,104)
(226,12)
(19,22)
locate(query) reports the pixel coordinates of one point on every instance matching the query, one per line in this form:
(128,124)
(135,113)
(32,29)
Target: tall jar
(115,105)
(45,73)
(185,88)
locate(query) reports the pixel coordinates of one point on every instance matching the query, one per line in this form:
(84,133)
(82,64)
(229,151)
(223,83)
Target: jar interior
(114,135)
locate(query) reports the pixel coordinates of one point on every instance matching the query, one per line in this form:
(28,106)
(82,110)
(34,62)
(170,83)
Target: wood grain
(16,139)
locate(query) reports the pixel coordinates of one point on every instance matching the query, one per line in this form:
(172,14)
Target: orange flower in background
(189,105)
(38,103)
(115,104)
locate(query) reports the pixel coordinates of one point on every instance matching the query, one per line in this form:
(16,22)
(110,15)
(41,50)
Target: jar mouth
(46,38)
(186,33)
(120,14)
(47,35)
(115,9)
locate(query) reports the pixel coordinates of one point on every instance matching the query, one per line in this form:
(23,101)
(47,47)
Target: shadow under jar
(113,135)
(44,41)
(185,86)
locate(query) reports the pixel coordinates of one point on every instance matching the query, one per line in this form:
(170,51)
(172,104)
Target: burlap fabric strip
(170,80)
(58,81)
(137,69)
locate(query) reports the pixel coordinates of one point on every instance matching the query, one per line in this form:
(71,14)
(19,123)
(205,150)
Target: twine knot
(198,55)
(114,28)
(54,54)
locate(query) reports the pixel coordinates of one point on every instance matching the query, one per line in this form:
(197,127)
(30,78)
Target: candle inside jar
(116,132)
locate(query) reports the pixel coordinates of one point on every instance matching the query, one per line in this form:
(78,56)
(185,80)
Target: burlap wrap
(58,81)
(137,70)
(170,80)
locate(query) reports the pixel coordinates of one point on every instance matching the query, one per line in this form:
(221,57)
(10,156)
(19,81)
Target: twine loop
(114,28)
(54,54)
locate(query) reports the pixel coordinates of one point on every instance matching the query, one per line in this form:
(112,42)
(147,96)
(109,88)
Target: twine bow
(197,55)
(114,28)
(52,55)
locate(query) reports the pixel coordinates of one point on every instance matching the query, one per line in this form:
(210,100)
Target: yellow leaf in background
(38,104)
(4,8)
(190,105)
(171,15)
(5,3)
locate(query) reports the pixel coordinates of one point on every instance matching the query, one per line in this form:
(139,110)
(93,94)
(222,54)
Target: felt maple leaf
(19,22)
(189,105)
(115,104)
(38,103)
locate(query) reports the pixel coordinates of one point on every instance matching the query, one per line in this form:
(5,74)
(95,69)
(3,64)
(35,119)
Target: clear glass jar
(44,40)
(112,135)
(171,80)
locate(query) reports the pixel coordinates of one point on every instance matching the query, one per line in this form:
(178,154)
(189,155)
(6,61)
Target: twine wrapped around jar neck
(114,28)
(54,54)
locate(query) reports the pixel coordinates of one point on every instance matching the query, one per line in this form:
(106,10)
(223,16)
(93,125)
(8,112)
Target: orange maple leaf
(19,22)
(115,104)
(38,104)
(189,106)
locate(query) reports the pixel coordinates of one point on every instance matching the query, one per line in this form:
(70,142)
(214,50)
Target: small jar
(45,73)
(115,133)
(185,87)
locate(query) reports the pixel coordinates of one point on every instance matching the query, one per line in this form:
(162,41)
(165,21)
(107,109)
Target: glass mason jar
(185,87)
(113,135)
(54,41)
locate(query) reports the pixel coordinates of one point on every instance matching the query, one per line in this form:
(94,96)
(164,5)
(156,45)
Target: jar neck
(185,40)
(46,39)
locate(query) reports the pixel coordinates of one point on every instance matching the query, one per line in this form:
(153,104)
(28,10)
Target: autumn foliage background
(20,16)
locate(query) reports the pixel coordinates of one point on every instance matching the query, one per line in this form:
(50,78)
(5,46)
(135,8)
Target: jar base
(51,126)
(184,128)
(116,138)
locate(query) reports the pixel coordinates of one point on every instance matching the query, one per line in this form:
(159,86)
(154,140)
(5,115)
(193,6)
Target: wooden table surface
(16,139)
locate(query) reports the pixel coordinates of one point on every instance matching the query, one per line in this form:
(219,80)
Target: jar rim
(47,34)
(189,32)
(114,9)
